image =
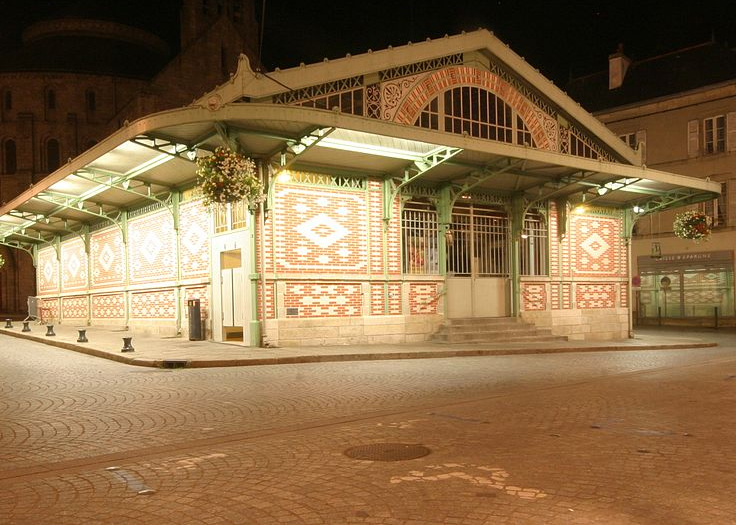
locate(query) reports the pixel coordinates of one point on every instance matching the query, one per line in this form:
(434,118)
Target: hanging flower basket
(226,176)
(693,225)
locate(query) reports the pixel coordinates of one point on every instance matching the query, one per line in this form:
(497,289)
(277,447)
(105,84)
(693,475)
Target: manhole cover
(387,452)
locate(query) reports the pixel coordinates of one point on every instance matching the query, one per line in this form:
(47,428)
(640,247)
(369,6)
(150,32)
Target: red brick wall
(159,304)
(423,298)
(75,307)
(152,248)
(195,240)
(534,296)
(47,271)
(107,258)
(324,299)
(108,306)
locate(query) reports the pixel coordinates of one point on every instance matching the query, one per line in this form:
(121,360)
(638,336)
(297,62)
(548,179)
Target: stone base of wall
(600,324)
(333,331)
(153,327)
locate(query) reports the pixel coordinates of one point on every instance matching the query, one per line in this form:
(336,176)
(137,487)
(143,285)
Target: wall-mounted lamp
(638,209)
(191,154)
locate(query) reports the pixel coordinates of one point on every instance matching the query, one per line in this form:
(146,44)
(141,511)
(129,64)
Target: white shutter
(731,131)
(641,143)
(692,139)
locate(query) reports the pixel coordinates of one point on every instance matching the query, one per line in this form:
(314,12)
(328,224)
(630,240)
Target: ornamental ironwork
(421,67)
(320,90)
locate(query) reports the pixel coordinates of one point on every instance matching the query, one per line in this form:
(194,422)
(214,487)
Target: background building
(84,70)
(679,110)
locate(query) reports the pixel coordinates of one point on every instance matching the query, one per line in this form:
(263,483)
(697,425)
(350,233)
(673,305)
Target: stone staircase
(492,330)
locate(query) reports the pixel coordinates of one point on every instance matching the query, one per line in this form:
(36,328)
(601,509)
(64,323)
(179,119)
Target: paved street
(600,437)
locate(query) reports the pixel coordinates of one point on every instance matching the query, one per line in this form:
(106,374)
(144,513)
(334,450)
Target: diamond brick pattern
(598,246)
(108,306)
(74,265)
(195,240)
(423,298)
(152,248)
(320,230)
(534,296)
(324,300)
(107,257)
(595,296)
(47,272)
(160,304)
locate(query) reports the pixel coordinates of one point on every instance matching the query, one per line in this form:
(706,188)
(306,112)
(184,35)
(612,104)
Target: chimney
(618,64)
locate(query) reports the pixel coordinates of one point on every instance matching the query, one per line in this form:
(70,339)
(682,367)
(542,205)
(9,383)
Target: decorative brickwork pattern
(320,231)
(534,296)
(203,294)
(624,295)
(74,265)
(47,271)
(595,296)
(108,306)
(152,248)
(270,310)
(49,309)
(324,300)
(416,92)
(561,296)
(160,304)
(378,299)
(107,257)
(194,240)
(74,307)
(598,246)
(423,298)
(375,197)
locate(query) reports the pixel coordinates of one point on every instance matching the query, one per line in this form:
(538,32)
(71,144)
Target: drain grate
(387,452)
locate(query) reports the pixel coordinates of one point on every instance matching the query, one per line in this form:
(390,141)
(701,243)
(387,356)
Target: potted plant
(693,225)
(226,177)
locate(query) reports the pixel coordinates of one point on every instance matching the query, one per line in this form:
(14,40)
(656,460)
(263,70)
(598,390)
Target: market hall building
(406,187)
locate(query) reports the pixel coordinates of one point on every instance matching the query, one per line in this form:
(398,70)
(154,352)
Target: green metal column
(444,219)
(176,213)
(518,209)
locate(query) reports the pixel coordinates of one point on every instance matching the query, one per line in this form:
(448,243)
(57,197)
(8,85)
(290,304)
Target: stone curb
(327,358)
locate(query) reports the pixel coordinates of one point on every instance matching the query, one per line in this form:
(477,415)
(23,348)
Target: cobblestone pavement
(605,437)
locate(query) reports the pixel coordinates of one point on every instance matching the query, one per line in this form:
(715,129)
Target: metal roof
(151,159)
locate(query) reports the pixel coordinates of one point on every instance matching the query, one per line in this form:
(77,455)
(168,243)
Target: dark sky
(558,37)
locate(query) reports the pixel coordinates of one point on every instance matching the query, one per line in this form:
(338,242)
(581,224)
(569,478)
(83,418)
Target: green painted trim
(518,210)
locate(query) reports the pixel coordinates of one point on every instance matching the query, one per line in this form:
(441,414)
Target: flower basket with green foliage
(226,176)
(693,225)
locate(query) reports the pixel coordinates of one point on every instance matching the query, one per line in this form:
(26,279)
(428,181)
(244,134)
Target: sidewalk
(179,352)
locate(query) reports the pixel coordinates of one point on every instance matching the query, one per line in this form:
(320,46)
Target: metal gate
(478,262)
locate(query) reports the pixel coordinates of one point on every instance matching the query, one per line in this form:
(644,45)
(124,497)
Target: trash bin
(195,320)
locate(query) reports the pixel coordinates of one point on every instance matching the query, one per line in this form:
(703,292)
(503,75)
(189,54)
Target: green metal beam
(415,171)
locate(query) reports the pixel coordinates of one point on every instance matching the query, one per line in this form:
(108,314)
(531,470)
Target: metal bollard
(50,330)
(26,328)
(127,347)
(82,336)
(8,323)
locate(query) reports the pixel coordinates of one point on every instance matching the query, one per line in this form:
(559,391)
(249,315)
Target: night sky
(559,37)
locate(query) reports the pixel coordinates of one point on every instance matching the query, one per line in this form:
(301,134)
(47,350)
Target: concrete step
(492,330)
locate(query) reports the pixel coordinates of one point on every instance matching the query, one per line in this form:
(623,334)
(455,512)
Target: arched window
(50,99)
(53,155)
(476,112)
(10,160)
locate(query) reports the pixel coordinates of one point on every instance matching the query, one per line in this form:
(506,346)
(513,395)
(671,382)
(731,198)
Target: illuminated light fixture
(524,235)
(126,184)
(284,176)
(191,154)
(80,205)
(638,209)
(602,190)
(580,209)
(370,149)
(47,220)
